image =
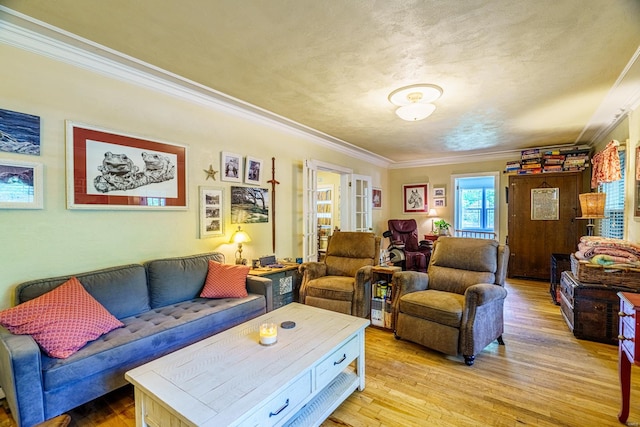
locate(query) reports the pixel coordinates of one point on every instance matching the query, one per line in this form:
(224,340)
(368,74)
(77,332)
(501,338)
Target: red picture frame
(108,170)
(415,198)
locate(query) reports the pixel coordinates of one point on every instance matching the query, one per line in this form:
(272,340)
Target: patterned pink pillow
(225,281)
(61,321)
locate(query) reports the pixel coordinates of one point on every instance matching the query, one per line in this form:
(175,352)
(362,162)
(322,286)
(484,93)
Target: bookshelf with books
(540,160)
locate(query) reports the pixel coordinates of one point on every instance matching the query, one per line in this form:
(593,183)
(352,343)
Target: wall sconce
(415,101)
(592,208)
(240,236)
(432,214)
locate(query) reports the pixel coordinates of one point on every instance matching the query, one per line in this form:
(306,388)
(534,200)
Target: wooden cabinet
(532,241)
(286,283)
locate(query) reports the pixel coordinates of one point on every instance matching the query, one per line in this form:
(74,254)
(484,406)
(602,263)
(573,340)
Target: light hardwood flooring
(544,376)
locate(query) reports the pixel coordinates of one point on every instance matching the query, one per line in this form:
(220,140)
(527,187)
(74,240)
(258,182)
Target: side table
(628,351)
(381,293)
(286,283)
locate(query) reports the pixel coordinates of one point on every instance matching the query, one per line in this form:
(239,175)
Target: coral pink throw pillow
(61,321)
(225,281)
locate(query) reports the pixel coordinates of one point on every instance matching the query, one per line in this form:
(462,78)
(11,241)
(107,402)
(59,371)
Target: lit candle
(268,333)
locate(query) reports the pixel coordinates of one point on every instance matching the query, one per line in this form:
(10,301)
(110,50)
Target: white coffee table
(230,379)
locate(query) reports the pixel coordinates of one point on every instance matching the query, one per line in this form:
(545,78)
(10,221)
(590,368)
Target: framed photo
(20,185)
(439,202)
(253,171)
(211,209)
(376,198)
(231,167)
(20,133)
(545,204)
(415,198)
(438,192)
(107,170)
(249,205)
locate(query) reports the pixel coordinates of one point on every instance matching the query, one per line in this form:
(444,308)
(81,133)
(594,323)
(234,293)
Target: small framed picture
(415,198)
(20,185)
(376,198)
(211,219)
(439,202)
(20,133)
(438,192)
(253,171)
(231,167)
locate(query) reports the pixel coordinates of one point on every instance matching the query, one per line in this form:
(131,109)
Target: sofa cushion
(331,287)
(172,280)
(150,335)
(225,281)
(444,308)
(61,321)
(107,286)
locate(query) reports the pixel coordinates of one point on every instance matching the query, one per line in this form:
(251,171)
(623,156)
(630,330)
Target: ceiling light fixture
(415,101)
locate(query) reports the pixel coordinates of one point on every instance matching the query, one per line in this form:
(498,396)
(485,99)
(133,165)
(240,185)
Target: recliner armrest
(484,293)
(312,270)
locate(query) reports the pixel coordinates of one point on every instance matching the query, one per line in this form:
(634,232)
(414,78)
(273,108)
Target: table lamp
(432,214)
(592,207)
(240,236)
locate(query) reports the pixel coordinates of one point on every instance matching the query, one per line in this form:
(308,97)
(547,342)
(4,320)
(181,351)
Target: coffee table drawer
(330,367)
(279,408)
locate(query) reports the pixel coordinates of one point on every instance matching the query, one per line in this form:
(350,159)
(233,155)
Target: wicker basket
(592,273)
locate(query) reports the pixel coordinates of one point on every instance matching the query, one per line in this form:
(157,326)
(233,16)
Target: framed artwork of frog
(108,170)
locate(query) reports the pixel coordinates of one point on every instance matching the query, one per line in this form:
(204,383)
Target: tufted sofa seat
(159,305)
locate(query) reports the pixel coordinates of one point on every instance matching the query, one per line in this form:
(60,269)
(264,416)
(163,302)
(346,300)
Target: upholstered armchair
(457,306)
(342,282)
(404,232)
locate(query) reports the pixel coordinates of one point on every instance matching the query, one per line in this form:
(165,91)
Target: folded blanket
(607,260)
(605,242)
(589,251)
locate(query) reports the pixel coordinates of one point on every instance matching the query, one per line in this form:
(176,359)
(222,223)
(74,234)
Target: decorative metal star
(210,173)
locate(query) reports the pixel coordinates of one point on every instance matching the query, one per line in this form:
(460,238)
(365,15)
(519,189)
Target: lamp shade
(415,112)
(592,205)
(240,236)
(432,212)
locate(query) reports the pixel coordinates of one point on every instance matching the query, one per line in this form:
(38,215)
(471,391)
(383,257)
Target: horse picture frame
(415,198)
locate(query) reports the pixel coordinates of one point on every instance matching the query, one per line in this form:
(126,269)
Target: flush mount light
(415,101)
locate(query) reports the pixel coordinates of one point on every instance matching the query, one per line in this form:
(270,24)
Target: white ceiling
(515,73)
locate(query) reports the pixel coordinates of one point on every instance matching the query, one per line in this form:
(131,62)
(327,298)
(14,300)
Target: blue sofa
(159,304)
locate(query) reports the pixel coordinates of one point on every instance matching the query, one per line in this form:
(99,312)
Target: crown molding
(622,99)
(38,37)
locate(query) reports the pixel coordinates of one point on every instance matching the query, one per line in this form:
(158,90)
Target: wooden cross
(273,183)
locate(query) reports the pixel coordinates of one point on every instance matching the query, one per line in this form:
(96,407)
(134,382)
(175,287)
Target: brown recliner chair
(342,282)
(457,306)
(404,233)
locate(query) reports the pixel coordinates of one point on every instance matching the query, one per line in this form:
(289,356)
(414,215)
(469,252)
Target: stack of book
(531,161)
(563,159)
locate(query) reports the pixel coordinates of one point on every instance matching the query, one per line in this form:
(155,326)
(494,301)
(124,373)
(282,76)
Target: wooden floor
(544,376)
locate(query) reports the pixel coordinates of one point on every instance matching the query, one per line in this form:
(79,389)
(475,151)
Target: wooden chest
(590,309)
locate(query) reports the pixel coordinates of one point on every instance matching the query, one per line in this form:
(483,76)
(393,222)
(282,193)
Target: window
(613,224)
(475,203)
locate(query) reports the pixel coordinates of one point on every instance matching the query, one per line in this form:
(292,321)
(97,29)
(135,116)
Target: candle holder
(268,333)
